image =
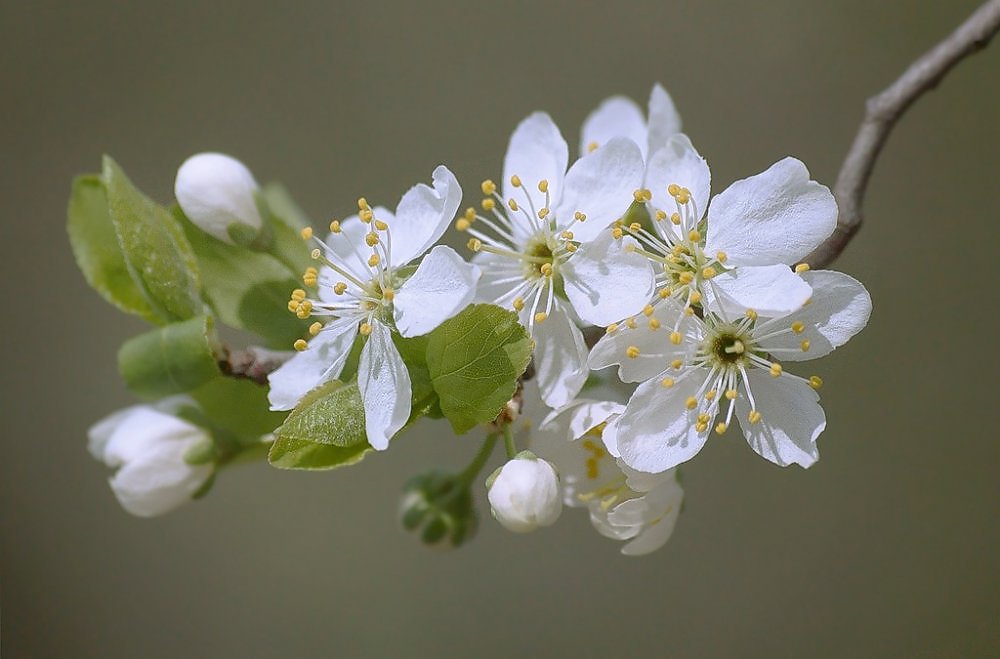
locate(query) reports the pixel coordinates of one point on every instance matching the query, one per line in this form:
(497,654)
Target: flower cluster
(702,300)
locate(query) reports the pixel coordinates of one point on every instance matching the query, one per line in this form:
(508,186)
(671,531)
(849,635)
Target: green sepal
(171,359)
(246,289)
(474,361)
(95,246)
(157,254)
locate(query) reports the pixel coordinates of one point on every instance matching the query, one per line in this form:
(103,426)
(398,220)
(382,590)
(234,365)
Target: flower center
(727,348)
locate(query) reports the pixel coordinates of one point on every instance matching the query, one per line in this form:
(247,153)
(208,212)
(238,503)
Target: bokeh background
(887,547)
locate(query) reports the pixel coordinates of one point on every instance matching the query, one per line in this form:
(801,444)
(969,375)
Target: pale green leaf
(171,359)
(330,414)
(474,361)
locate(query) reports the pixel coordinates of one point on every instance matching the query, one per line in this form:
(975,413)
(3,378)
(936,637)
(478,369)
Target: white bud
(216,192)
(148,447)
(524,494)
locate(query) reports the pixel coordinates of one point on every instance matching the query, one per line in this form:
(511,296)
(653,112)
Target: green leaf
(171,359)
(95,246)
(285,221)
(414,353)
(326,430)
(248,290)
(281,204)
(157,254)
(474,360)
(329,414)
(301,454)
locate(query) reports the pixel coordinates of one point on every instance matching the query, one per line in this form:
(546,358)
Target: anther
(660,215)
(673,189)
(388,295)
(675,218)
(815,381)
(721,427)
(805,345)
(775,370)
(751,314)
(462,224)
(306,233)
(695,297)
(710,394)
(298,294)
(300,344)
(579,217)
(754,416)
(334,226)
(340,287)
(730,394)
(701,426)
(315,254)
(798,327)
(474,244)
(654,324)
(708,272)
(567,235)
(630,323)
(667,382)
(373,260)
(704,418)
(546,269)
(488,187)
(515,180)
(511,204)
(488,204)
(612,328)
(293,305)
(647,310)
(802,267)
(543,186)
(632,352)
(616,233)
(635,227)
(675,338)
(721,257)
(371,239)
(691,402)
(381,226)
(541,316)
(365,215)
(694,235)
(363,204)
(315,328)
(592,146)
(676,364)
(365,329)
(685,278)
(688,311)
(543,213)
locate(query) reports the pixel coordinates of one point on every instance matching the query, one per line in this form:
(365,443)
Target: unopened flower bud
(438,507)
(217,193)
(524,494)
(160,459)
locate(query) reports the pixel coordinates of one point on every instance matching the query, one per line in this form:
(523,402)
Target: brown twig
(252,363)
(883,110)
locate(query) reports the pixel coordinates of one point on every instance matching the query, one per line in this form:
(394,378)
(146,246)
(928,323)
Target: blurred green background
(888,547)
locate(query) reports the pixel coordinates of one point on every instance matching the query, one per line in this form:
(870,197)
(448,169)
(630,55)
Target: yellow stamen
(306,233)
(315,328)
(675,338)
(654,324)
(474,244)
(775,370)
(543,186)
(730,394)
(515,180)
(541,316)
(691,402)
(340,287)
(365,329)
(334,226)
(612,328)
(371,239)
(518,303)
(802,267)
(815,381)
(754,416)
(488,204)
(805,345)
(632,352)
(721,427)
(798,327)
(300,344)
(488,187)
(373,260)
(676,364)
(667,382)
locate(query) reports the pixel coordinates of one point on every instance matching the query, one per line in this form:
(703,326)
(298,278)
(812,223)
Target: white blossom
(217,193)
(734,252)
(619,116)
(365,286)
(537,247)
(727,366)
(147,447)
(524,494)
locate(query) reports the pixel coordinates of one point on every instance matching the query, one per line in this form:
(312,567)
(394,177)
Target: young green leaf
(171,359)
(329,414)
(95,246)
(248,290)
(302,454)
(155,250)
(239,406)
(474,360)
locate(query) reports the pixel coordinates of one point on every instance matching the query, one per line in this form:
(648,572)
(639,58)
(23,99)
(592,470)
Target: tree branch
(883,110)
(253,363)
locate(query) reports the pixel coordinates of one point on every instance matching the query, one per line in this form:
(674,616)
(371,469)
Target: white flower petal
(385,387)
(525,495)
(154,478)
(791,419)
(777,216)
(422,216)
(536,152)
(610,438)
(655,350)
(579,417)
(770,290)
(617,116)
(839,309)
(500,276)
(605,282)
(601,185)
(321,361)
(217,192)
(677,161)
(664,120)
(657,533)
(560,356)
(656,431)
(443,285)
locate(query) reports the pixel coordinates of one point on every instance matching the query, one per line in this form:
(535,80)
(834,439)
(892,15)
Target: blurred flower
(438,506)
(524,494)
(624,504)
(364,287)
(148,447)
(535,241)
(218,194)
